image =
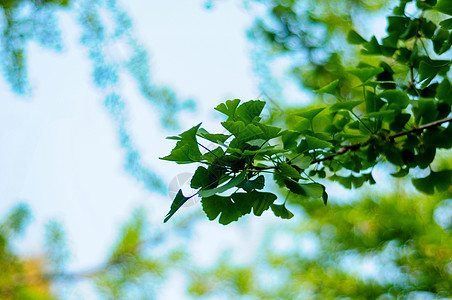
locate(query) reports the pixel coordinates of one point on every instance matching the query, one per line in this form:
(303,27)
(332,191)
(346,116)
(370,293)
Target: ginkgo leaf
(354,38)
(228,108)
(281,211)
(346,105)
(365,74)
(289,171)
(444,6)
(235,181)
(395,97)
(316,143)
(436,181)
(178,201)
(329,89)
(186,150)
(310,113)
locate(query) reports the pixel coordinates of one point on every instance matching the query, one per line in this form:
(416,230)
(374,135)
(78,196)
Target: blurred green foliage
(20,278)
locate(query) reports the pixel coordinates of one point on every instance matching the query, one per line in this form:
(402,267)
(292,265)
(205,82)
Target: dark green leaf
(215,138)
(372,47)
(281,211)
(395,97)
(289,171)
(211,156)
(178,201)
(186,150)
(446,24)
(435,182)
(289,139)
(401,173)
(230,184)
(216,205)
(354,38)
(261,201)
(444,6)
(256,184)
(200,179)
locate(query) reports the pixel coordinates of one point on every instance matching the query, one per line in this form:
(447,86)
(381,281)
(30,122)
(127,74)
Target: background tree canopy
(377,121)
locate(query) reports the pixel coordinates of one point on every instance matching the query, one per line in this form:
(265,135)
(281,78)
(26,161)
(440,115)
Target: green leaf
(249,110)
(444,91)
(178,201)
(401,173)
(347,105)
(216,205)
(186,150)
(324,196)
(395,97)
(444,6)
(269,132)
(446,24)
(351,180)
(372,47)
(310,113)
(256,184)
(281,211)
(435,182)
(289,171)
(427,71)
(440,41)
(289,139)
(301,161)
(428,28)
(201,178)
(313,190)
(425,111)
(354,38)
(397,25)
(364,74)
(243,132)
(294,187)
(228,108)
(329,89)
(258,143)
(215,138)
(316,143)
(211,156)
(262,201)
(230,184)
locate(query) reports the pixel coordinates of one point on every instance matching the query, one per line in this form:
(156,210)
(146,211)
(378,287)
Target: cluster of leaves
(401,117)
(308,38)
(322,256)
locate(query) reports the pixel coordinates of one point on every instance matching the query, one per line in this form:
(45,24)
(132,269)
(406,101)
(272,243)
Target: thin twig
(354,147)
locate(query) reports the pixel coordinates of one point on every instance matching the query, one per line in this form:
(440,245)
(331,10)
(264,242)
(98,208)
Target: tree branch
(420,128)
(354,147)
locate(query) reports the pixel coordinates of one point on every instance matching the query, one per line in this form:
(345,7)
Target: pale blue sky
(61,153)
